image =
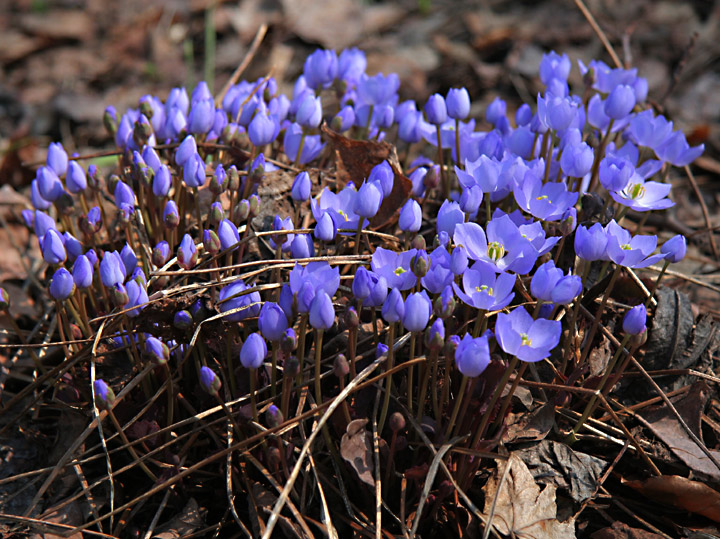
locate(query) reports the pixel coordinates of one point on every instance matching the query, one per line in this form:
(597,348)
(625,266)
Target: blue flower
(620,102)
(309,112)
(202,116)
(675,150)
(104,395)
(187,254)
(306,282)
(674,249)
(417,311)
(53,248)
(458,103)
(340,206)
(57,158)
(577,160)
(49,185)
(62,285)
(384,175)
(253,351)
(436,110)
(228,234)
(233,297)
(302,246)
(301,187)
(187,149)
(394,267)
(378,89)
(160,254)
(484,289)
(369,287)
(137,295)
(284,240)
(438,274)
(545,201)
(554,66)
(527,339)
(449,215)
(263,128)
(351,65)
(410,216)
(368,199)
(209,381)
(615,172)
(325,229)
(82,272)
(157,349)
(321,68)
(322,312)
(312,145)
(272,321)
(472,356)
(394,307)
(162,181)
(194,171)
(75,180)
(634,320)
(630,251)
(549,284)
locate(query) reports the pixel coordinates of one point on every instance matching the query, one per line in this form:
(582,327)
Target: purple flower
(630,251)
(171,217)
(233,297)
(591,243)
(620,102)
(417,311)
(545,201)
(57,158)
(183,320)
(228,234)
(321,68)
(309,112)
(484,289)
(209,381)
(641,195)
(577,160)
(301,187)
(62,285)
(369,287)
(674,249)
(202,116)
(322,312)
(394,267)
(438,274)
(472,356)
(157,349)
(394,307)
(124,195)
(94,218)
(496,114)
(75,180)
(194,171)
(272,321)
(649,130)
(82,272)
(344,119)
(449,215)
(378,89)
(104,395)
(187,148)
(634,320)
(137,295)
(284,240)
(187,254)
(161,181)
(410,216)
(302,246)
(220,180)
(253,351)
(38,202)
(549,284)
(312,145)
(615,172)
(435,336)
(49,185)
(368,199)
(161,254)
(351,65)
(458,103)
(554,66)
(384,175)
(675,150)
(73,247)
(263,128)
(555,112)
(527,339)
(458,260)
(325,229)
(53,247)
(129,259)
(436,110)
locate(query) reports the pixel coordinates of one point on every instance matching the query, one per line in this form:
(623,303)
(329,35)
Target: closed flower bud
(309,113)
(351,318)
(325,229)
(75,180)
(420,264)
(187,149)
(436,110)
(254,202)
(119,295)
(211,242)
(112,270)
(183,320)
(396,422)
(187,254)
(458,103)
(384,176)
(171,217)
(162,181)
(209,381)
(129,259)
(368,199)
(301,187)
(228,234)
(302,246)
(435,336)
(157,350)
(272,321)
(394,307)
(417,311)
(472,356)
(216,214)
(634,320)
(242,211)
(220,181)
(444,305)
(674,249)
(62,285)
(459,260)
(418,242)
(289,340)
(110,120)
(53,248)
(410,216)
(57,158)
(253,351)
(341,368)
(233,179)
(104,395)
(82,272)
(161,254)
(381,350)
(322,312)
(620,102)
(262,129)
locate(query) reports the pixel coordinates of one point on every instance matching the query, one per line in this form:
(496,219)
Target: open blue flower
(551,285)
(394,267)
(527,339)
(485,289)
(630,251)
(472,355)
(545,201)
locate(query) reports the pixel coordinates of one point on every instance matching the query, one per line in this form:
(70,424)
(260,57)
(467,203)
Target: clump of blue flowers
(476,269)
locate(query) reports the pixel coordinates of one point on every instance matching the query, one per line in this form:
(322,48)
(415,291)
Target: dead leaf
(665,426)
(530,426)
(185,523)
(356,158)
(620,530)
(682,493)
(599,357)
(59,24)
(69,515)
(554,463)
(522,510)
(355,447)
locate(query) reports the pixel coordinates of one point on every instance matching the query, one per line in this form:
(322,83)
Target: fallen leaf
(59,24)
(356,449)
(554,463)
(530,426)
(665,426)
(522,510)
(356,158)
(184,523)
(682,493)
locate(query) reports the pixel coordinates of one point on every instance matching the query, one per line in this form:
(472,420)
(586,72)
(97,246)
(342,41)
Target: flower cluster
(476,234)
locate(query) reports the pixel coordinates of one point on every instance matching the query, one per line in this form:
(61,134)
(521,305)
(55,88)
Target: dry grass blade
(257,40)
(596,28)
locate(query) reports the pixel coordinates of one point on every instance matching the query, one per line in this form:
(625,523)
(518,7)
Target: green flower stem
(655,285)
(480,321)
(548,155)
(598,316)
(299,152)
(456,409)
(198,215)
(457,144)
(75,311)
(318,365)
(444,180)
(599,154)
(358,235)
(388,378)
(273,370)
(445,387)
(590,408)
(302,330)
(429,370)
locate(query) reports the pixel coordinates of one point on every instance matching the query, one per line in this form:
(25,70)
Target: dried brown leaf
(522,510)
(356,449)
(184,523)
(620,530)
(681,492)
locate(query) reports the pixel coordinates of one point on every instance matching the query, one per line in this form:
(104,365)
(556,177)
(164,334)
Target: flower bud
(220,181)
(351,318)
(253,351)
(420,264)
(160,254)
(209,381)
(211,242)
(157,350)
(104,395)
(254,202)
(62,285)
(273,416)
(289,341)
(183,320)
(4,300)
(396,422)
(634,320)
(187,254)
(171,217)
(341,368)
(110,121)
(233,179)
(418,242)
(119,295)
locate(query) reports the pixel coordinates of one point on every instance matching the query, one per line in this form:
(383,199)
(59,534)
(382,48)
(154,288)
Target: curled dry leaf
(522,510)
(682,493)
(356,448)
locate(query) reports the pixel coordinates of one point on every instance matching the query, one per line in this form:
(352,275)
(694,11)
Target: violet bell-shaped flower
(233,297)
(301,187)
(57,158)
(394,307)
(187,254)
(137,297)
(61,285)
(384,175)
(418,309)
(82,272)
(674,249)
(272,321)
(472,355)
(549,284)
(368,199)
(75,179)
(253,351)
(410,216)
(53,248)
(209,381)
(320,69)
(436,110)
(322,312)
(394,267)
(554,66)
(634,320)
(458,103)
(325,229)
